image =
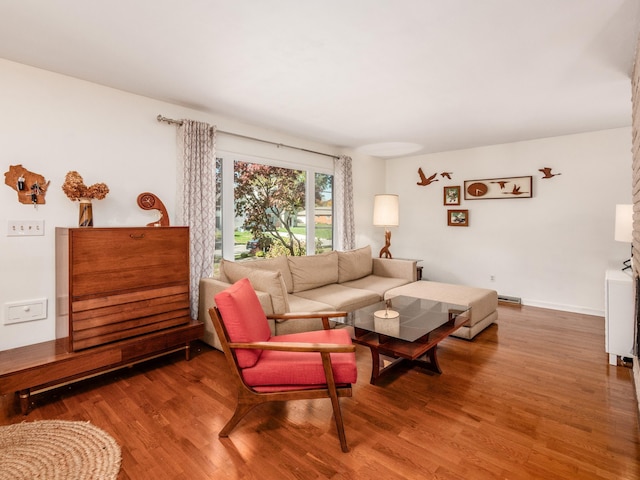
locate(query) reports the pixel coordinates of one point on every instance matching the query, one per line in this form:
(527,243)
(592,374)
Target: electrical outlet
(26,311)
(19,228)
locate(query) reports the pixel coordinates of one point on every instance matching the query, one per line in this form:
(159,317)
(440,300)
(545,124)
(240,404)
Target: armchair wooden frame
(248,398)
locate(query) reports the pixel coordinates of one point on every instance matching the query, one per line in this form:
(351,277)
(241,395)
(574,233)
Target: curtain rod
(160,118)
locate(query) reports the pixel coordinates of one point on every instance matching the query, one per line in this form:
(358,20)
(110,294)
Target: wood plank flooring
(530,398)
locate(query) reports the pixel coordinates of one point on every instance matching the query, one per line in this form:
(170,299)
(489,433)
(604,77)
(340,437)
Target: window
(272,210)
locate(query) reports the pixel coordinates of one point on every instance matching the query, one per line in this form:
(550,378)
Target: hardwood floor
(530,398)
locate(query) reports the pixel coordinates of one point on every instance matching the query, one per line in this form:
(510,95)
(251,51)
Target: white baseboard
(563,308)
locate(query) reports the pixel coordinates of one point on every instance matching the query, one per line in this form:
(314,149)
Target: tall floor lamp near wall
(624,228)
(385,214)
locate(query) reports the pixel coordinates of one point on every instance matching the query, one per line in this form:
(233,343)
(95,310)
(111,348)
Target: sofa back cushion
(268,281)
(276,264)
(354,264)
(243,319)
(313,271)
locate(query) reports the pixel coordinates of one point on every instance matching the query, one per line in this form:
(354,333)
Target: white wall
(551,250)
(52,124)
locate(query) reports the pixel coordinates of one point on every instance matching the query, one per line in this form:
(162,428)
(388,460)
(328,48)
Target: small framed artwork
(452,195)
(507,187)
(458,218)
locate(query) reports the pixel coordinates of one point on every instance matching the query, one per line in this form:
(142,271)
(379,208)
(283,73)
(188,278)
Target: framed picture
(452,195)
(507,187)
(458,218)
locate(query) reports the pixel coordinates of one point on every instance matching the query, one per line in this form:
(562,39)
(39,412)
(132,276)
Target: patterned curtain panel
(345,236)
(195,205)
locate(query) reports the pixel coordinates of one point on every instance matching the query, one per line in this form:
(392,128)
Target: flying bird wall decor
(502,183)
(424,181)
(547,172)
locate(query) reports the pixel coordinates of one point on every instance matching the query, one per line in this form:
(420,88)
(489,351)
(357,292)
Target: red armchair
(316,364)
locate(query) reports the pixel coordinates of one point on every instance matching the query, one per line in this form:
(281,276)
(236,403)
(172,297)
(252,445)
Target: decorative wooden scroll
(148,201)
(30,187)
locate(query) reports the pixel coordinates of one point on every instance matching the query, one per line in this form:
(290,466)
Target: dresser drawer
(107,319)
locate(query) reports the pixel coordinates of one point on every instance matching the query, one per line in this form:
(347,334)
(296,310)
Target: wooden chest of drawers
(117,283)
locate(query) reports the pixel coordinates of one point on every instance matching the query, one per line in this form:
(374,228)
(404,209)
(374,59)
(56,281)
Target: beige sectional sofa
(342,281)
(330,281)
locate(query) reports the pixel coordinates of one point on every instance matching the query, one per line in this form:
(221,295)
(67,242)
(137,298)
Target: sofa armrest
(386,267)
(208,289)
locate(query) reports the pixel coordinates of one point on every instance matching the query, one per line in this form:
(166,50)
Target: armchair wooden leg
(242,408)
(335,402)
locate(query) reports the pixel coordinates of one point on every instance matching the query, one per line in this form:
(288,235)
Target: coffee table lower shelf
(420,352)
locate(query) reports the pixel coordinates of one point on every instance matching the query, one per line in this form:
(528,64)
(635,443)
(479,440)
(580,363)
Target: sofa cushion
(376,283)
(340,297)
(262,280)
(354,264)
(243,319)
(276,264)
(301,304)
(313,271)
(272,369)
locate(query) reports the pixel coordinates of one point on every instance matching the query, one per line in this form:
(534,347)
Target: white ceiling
(445,74)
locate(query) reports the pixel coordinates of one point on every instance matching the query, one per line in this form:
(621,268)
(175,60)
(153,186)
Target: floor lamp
(624,229)
(385,214)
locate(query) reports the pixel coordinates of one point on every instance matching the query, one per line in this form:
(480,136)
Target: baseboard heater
(510,300)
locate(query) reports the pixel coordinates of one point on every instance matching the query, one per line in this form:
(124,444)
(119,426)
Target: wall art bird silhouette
(515,191)
(547,172)
(446,175)
(502,183)
(424,180)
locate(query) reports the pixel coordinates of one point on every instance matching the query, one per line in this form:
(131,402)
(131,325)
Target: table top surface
(416,317)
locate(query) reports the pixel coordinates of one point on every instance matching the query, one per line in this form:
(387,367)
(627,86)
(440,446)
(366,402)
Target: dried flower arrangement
(75,189)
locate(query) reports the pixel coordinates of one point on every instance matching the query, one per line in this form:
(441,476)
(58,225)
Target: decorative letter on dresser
(123,294)
(619,306)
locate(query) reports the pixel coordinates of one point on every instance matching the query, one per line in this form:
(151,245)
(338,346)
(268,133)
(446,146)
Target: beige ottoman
(483,302)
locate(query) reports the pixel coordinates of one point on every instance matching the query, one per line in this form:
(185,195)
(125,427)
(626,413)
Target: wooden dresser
(124,294)
(117,283)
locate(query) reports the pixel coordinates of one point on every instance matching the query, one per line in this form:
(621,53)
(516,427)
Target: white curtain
(196,198)
(343,202)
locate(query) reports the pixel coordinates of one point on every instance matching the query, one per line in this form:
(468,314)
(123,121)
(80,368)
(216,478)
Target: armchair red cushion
(244,319)
(275,368)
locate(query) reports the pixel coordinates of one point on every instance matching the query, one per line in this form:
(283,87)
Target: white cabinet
(619,309)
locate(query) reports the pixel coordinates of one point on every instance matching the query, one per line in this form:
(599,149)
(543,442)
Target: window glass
(323,212)
(269,204)
(272,209)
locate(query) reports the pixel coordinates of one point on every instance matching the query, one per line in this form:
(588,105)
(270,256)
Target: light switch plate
(26,228)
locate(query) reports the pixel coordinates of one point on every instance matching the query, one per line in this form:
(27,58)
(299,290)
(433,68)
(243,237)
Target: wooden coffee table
(411,335)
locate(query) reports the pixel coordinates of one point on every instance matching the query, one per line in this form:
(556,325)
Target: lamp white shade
(624,223)
(386,211)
